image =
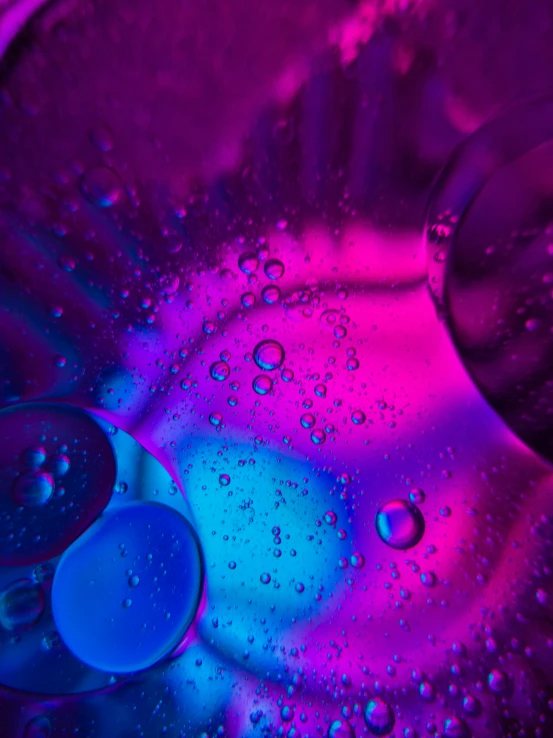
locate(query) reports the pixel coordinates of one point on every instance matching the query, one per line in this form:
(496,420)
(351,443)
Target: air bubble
(379,717)
(219,371)
(268,354)
(262,384)
(400,524)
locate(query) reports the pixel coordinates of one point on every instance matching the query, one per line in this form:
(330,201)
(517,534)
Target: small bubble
(59,361)
(219,371)
(498,681)
(127,603)
(248,262)
(400,524)
(357,560)
(59,465)
(341,729)
(428,578)
(300,587)
(358,417)
(417,496)
(215,419)
(270,294)
(320,390)
(273,268)
(262,384)
(265,578)
(34,457)
(232,564)
(330,517)
(268,354)
(134,581)
(454,727)
(33,489)
(307,420)
(248,299)
(318,436)
(287,375)
(379,717)
(101,186)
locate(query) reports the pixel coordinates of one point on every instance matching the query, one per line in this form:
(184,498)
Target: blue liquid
(127,590)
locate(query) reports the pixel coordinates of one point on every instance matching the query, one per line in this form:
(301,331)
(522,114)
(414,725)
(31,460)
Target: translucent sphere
(106,620)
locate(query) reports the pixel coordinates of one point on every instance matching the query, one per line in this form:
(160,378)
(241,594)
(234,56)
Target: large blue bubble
(127,590)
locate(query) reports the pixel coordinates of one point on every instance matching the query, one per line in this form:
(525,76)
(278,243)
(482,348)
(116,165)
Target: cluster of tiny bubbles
(262,384)
(273,268)
(268,354)
(57,461)
(22,604)
(341,729)
(379,717)
(219,371)
(117,597)
(101,186)
(400,524)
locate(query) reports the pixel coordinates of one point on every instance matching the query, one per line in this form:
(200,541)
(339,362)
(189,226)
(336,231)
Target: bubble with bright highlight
(400,524)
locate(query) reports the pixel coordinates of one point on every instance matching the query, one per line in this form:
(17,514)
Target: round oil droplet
(358,417)
(341,729)
(417,496)
(101,186)
(498,681)
(274,268)
(219,371)
(262,384)
(454,727)
(268,354)
(379,717)
(318,436)
(400,524)
(248,262)
(248,299)
(270,294)
(21,605)
(90,584)
(33,489)
(33,457)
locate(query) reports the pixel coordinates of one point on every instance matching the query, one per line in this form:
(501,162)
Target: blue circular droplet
(93,609)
